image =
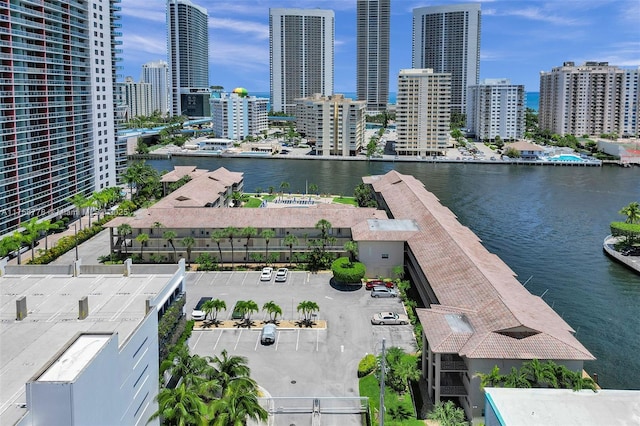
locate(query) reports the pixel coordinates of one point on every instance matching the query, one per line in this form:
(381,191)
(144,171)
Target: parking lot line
(277,340)
(297,340)
(195,345)
(217,340)
(238,340)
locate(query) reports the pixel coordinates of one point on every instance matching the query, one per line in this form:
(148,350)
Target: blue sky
(519,38)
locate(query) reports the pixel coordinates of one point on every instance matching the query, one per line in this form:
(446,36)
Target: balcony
(451,385)
(452,362)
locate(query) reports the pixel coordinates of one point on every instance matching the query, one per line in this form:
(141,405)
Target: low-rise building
(237,115)
(527,150)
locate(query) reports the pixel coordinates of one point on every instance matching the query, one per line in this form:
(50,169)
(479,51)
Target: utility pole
(383,362)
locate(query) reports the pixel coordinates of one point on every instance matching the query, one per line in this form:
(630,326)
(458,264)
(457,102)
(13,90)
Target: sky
(519,38)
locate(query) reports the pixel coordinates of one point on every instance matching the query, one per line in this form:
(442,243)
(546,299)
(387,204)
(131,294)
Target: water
(567,157)
(547,223)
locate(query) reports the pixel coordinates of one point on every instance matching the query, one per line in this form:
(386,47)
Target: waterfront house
(528,151)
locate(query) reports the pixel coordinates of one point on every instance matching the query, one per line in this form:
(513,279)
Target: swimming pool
(567,157)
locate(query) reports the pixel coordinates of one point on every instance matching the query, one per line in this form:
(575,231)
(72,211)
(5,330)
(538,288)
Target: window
(385,255)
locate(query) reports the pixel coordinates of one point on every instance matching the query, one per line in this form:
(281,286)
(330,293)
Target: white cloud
(148,44)
(254,29)
(144,9)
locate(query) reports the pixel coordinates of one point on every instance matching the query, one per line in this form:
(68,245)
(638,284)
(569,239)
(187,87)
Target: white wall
(370,253)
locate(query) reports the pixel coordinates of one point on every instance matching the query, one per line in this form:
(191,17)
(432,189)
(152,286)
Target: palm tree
(124,230)
(215,305)
(157,225)
(179,406)
(308,308)
(516,379)
(231,232)
(229,368)
(217,237)
(447,414)
(632,212)
(324,226)
(313,188)
(47,227)
(238,403)
(351,247)
(267,234)
(290,240)
(248,232)
(169,236)
(32,230)
(579,382)
(283,186)
(142,239)
(188,242)
(273,310)
(539,374)
(492,379)
(250,307)
(14,243)
(80,202)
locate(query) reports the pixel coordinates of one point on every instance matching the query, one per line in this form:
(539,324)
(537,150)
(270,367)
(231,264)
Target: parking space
(302,361)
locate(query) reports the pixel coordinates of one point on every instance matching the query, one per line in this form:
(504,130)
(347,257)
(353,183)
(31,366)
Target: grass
(370,387)
(345,200)
(252,203)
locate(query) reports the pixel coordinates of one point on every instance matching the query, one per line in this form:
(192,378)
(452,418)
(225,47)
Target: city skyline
(519,38)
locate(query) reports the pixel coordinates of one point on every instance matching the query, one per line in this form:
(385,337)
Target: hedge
(346,271)
(367,365)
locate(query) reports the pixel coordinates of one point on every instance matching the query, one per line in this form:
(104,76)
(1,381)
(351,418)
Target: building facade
(188,58)
(57,72)
(156,73)
(447,39)
(631,103)
(237,115)
(582,100)
(495,107)
(335,125)
(301,55)
(137,96)
(423,112)
(373,19)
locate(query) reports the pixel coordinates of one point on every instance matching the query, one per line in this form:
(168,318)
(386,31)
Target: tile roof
(203,190)
(525,146)
(179,172)
(468,280)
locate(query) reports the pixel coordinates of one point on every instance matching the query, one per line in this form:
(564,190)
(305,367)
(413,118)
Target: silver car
(268,334)
(281,275)
(381,291)
(389,318)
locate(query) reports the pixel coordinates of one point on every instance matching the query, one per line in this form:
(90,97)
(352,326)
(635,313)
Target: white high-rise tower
(156,73)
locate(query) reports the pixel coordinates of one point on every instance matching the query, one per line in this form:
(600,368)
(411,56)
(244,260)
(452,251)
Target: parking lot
(307,362)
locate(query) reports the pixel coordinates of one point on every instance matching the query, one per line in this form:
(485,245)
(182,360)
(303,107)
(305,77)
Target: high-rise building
(631,103)
(237,115)
(156,73)
(301,55)
(137,96)
(372,80)
(335,125)
(57,71)
(495,107)
(188,57)
(582,100)
(423,112)
(447,39)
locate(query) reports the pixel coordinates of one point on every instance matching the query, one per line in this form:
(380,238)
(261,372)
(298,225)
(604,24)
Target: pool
(567,157)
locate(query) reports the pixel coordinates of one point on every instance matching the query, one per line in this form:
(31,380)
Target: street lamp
(75,233)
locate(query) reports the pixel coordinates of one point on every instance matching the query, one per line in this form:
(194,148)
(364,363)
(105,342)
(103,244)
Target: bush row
(367,365)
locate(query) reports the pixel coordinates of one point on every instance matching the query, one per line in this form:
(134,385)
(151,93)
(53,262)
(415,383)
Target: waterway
(546,223)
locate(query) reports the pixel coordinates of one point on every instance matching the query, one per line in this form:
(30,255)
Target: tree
(351,247)
(217,237)
(238,198)
(248,232)
(372,147)
(284,186)
(492,379)
(539,374)
(231,232)
(238,403)
(364,196)
(32,229)
(142,239)
(157,226)
(290,240)
(516,379)
(267,234)
(447,414)
(80,202)
(14,243)
(307,308)
(229,368)
(188,242)
(170,236)
(179,406)
(215,305)
(632,212)
(313,188)
(124,230)
(273,310)
(400,412)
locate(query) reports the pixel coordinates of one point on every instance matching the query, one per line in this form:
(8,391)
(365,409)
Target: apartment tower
(156,73)
(582,100)
(188,57)
(495,107)
(137,97)
(57,72)
(237,115)
(372,79)
(447,39)
(423,112)
(301,55)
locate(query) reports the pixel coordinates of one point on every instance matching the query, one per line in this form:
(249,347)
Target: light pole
(75,237)
(383,362)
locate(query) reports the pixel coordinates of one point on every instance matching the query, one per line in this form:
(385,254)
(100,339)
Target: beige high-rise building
(423,112)
(335,124)
(582,100)
(137,96)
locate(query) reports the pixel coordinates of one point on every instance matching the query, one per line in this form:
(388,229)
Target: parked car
(198,314)
(266,274)
(380,291)
(281,275)
(392,318)
(268,334)
(236,313)
(378,283)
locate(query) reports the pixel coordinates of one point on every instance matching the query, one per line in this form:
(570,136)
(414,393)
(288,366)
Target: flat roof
(74,359)
(565,407)
(116,305)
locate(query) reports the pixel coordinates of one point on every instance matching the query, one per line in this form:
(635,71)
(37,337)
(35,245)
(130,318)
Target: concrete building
(137,96)
(373,19)
(301,55)
(631,103)
(188,57)
(335,125)
(423,112)
(83,346)
(447,40)
(156,73)
(561,407)
(237,115)
(57,73)
(495,107)
(583,100)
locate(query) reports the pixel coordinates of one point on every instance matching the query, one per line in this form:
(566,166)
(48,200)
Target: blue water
(565,157)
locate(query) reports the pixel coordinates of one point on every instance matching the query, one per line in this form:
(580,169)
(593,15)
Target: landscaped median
(281,324)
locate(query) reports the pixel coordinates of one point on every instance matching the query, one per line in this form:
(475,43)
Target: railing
(453,365)
(453,391)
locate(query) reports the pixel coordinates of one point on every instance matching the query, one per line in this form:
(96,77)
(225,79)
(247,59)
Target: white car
(281,275)
(392,318)
(266,274)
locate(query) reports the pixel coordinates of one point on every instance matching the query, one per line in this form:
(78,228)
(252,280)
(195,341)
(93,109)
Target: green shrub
(367,365)
(346,271)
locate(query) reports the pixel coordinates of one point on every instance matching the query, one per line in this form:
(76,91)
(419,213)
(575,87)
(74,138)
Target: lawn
(370,387)
(253,203)
(345,200)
